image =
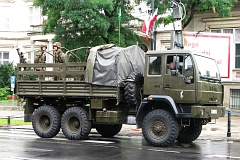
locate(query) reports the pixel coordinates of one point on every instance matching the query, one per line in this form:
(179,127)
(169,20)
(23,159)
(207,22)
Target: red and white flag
(148,23)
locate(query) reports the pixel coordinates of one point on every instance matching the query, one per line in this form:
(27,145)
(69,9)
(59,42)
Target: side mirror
(188,80)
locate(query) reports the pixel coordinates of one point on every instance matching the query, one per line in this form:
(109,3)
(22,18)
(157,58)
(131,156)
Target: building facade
(210,22)
(18,29)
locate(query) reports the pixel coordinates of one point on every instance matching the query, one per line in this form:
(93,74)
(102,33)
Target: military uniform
(40,58)
(59,57)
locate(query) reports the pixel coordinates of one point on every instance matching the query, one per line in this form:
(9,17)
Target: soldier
(40,56)
(170,67)
(59,56)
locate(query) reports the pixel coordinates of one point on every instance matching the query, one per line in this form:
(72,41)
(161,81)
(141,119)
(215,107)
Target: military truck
(119,86)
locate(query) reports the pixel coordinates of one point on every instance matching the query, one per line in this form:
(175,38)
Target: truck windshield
(208,69)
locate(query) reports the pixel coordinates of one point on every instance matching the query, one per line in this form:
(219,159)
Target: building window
(35,17)
(228,31)
(216,31)
(155,65)
(4,57)
(237,57)
(4,18)
(234,98)
(237,35)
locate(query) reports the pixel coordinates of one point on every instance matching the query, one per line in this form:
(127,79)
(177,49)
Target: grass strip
(14,122)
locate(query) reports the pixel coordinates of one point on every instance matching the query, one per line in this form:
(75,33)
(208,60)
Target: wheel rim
(44,122)
(157,129)
(73,124)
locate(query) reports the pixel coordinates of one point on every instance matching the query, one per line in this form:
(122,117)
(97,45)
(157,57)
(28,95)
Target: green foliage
(4,92)
(4,122)
(82,23)
(6,71)
(222,7)
(30,77)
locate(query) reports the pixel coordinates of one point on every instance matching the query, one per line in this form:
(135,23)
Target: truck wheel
(132,89)
(190,133)
(46,121)
(75,123)
(160,128)
(108,130)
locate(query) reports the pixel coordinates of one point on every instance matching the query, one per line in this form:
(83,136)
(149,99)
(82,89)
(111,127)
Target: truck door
(180,85)
(153,80)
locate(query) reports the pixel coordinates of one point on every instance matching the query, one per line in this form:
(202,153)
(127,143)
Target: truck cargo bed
(63,80)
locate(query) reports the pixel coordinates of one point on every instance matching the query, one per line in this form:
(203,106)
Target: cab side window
(170,64)
(155,63)
(188,67)
(174,63)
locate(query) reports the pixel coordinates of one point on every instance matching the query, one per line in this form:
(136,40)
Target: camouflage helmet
(58,44)
(43,45)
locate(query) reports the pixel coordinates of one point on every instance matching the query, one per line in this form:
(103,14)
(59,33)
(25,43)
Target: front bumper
(208,112)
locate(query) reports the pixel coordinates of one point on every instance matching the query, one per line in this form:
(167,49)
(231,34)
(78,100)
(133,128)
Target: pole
(229,124)
(12,96)
(9,120)
(119,23)
(119,33)
(152,39)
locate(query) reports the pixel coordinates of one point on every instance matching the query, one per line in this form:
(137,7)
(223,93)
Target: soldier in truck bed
(59,56)
(40,56)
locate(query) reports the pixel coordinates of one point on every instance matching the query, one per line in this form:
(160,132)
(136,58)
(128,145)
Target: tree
(7,70)
(79,23)
(222,7)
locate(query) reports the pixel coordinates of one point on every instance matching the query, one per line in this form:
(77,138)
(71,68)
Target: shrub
(6,71)
(4,93)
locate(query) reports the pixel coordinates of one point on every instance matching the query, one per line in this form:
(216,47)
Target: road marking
(17,135)
(41,150)
(95,141)
(23,134)
(157,150)
(222,156)
(20,158)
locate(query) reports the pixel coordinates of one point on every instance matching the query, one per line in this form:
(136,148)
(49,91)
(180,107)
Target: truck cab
(195,79)
(182,91)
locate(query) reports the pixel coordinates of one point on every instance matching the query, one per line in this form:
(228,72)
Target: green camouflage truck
(119,86)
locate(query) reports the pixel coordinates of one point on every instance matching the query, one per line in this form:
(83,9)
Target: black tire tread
(173,128)
(132,88)
(107,130)
(54,115)
(190,133)
(86,125)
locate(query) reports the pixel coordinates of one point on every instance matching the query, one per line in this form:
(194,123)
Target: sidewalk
(11,106)
(210,131)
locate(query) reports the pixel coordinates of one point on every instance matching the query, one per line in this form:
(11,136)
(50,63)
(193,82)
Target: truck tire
(75,123)
(108,130)
(132,88)
(46,121)
(190,133)
(160,128)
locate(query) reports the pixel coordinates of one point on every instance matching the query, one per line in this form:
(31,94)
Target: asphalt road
(23,144)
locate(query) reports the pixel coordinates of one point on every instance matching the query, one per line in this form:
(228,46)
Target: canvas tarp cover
(109,65)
